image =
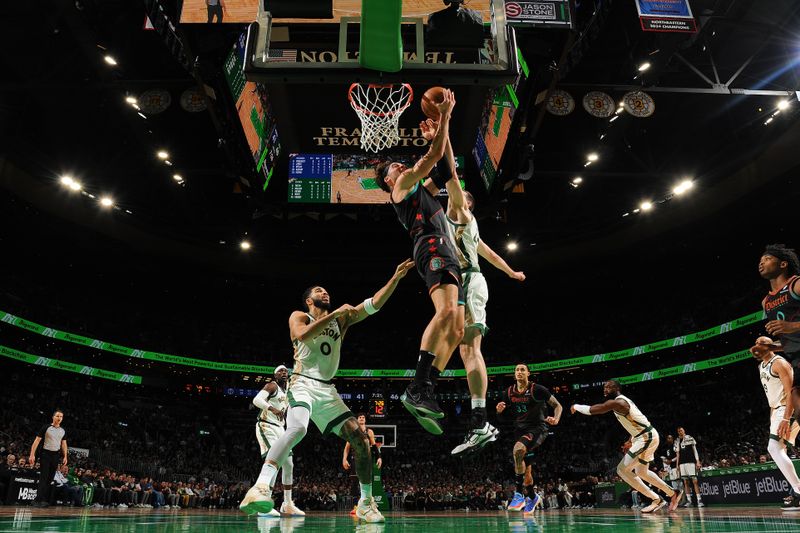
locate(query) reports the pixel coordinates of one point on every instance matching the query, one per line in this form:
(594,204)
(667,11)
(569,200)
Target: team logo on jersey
(437,263)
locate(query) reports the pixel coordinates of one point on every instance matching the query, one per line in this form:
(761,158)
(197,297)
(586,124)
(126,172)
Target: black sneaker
(420,402)
(791,502)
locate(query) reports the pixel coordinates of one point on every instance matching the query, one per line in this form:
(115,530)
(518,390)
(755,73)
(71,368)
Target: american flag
(282,55)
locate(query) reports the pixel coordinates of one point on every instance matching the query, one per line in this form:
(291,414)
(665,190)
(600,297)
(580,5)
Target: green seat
(381,45)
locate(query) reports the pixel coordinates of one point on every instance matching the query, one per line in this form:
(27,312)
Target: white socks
(777,451)
(287,495)
(480,402)
(366,491)
(269,473)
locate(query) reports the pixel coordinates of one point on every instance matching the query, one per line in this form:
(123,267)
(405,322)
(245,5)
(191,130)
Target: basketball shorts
(532,438)
(267,434)
(476,294)
(673,477)
(644,445)
(325,406)
(436,263)
(775,418)
(688,470)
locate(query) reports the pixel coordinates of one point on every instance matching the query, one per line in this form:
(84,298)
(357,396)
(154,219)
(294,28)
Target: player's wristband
(369,307)
(583,409)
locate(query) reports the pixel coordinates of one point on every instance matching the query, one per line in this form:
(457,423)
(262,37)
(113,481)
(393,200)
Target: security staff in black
(781,267)
(53,439)
(411,191)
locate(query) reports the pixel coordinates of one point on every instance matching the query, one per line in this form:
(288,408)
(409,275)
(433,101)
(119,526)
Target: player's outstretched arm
(370,306)
(302,328)
(425,164)
(620,406)
(498,262)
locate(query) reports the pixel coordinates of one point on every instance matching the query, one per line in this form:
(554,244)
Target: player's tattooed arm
(557,410)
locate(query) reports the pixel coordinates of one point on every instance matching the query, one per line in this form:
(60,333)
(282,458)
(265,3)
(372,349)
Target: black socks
(425,371)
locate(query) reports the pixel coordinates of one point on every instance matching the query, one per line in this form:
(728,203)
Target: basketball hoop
(379,107)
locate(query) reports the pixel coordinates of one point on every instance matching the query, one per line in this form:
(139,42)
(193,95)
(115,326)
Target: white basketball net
(379,107)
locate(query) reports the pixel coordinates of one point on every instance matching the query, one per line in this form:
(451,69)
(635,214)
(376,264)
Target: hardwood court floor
(709,520)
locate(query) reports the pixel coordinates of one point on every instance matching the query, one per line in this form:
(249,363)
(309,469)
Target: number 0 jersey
(318,358)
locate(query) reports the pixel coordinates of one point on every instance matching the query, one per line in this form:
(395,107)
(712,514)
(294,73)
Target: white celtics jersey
(318,358)
(279,402)
(773,388)
(465,238)
(634,422)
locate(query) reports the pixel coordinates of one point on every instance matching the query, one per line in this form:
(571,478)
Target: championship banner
(539,14)
(666,16)
(97,344)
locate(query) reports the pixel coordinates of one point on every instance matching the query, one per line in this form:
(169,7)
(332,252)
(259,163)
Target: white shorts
(673,475)
(325,406)
(688,470)
(267,434)
(644,446)
(775,418)
(476,294)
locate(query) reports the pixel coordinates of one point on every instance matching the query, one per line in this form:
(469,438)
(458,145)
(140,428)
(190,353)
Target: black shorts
(437,264)
(531,438)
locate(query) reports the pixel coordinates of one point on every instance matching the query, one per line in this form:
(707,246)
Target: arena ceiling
(62,111)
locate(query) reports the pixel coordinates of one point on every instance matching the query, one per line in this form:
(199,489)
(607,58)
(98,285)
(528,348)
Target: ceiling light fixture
(66,180)
(646,206)
(106,201)
(162,154)
(511,246)
(245,245)
(110,60)
(644,66)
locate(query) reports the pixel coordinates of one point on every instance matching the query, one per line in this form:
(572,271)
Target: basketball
(432,96)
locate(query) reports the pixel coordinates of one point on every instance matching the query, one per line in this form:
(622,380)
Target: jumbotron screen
(493,134)
(341,178)
(255,113)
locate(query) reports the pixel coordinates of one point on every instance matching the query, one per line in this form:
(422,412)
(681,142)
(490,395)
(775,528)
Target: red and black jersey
(421,214)
(529,407)
(784,304)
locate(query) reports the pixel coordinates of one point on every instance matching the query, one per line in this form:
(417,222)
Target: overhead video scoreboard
(310,178)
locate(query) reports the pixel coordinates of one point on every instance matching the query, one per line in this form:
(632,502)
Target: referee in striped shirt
(54,439)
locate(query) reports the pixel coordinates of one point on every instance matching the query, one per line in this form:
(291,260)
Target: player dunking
(424,219)
(527,402)
(270,426)
(634,468)
(780,266)
(776,378)
(317,336)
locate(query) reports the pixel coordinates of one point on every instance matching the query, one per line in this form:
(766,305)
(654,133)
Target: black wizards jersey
(529,407)
(421,214)
(784,304)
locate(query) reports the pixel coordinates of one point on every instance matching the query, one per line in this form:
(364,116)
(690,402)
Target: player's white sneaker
(289,508)
(257,500)
(655,506)
(272,514)
(476,439)
(367,510)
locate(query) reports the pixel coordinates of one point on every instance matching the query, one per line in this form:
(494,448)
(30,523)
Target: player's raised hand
(445,107)
(403,268)
(519,276)
(500,407)
(428,129)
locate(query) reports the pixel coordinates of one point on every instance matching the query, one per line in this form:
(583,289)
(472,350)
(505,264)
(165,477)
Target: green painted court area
(368,184)
(707,521)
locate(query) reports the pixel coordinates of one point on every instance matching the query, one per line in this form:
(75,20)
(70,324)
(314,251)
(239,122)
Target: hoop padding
(379,108)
